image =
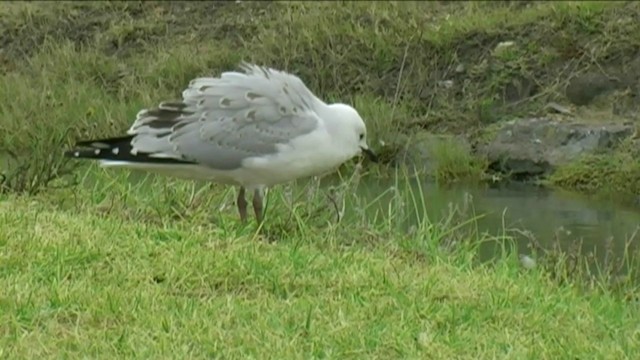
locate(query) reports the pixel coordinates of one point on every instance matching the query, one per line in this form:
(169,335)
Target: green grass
(122,267)
(454,162)
(611,175)
(86,274)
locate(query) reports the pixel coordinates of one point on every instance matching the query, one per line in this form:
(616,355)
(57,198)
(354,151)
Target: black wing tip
(105,142)
(115,149)
(98,148)
(77,153)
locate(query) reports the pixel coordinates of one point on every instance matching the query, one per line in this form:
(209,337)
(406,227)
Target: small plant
(26,175)
(454,162)
(615,175)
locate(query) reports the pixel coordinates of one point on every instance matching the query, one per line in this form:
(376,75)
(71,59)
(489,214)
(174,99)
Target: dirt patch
(119,28)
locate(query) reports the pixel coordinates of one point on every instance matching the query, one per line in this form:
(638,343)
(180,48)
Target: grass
(609,175)
(118,266)
(132,280)
(454,162)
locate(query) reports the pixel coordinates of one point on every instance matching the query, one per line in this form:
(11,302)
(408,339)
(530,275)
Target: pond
(549,216)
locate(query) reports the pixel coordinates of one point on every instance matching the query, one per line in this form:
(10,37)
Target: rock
(533,147)
(501,47)
(553,106)
(527,261)
(447,84)
(583,89)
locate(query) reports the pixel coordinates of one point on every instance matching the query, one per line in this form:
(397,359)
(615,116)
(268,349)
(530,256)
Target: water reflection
(544,212)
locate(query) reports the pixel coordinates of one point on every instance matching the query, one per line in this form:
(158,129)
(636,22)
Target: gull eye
(361,136)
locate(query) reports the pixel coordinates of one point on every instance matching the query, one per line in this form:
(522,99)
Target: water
(552,217)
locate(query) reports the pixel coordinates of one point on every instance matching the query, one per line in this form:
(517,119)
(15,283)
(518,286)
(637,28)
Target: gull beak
(369,154)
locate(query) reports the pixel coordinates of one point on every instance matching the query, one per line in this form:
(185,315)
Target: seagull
(254,128)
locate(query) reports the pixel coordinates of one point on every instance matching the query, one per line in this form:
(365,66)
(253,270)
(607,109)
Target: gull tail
(116,151)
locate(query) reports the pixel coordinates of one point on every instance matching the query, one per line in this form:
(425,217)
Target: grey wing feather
(222,121)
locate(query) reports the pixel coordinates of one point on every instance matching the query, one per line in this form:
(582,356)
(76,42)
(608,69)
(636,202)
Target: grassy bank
(108,271)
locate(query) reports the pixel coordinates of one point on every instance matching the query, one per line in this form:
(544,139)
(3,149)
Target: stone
(532,147)
(527,261)
(583,89)
(555,107)
(501,47)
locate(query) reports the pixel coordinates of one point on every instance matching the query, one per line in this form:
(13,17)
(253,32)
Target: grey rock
(583,89)
(555,107)
(527,261)
(501,47)
(447,84)
(536,146)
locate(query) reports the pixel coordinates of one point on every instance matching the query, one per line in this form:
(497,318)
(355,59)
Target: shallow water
(552,217)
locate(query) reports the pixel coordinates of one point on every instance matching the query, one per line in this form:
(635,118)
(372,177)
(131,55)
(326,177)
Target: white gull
(253,129)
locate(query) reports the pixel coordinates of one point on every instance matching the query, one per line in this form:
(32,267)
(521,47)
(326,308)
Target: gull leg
(242,205)
(257,205)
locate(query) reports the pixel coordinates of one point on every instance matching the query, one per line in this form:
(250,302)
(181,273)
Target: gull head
(351,130)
